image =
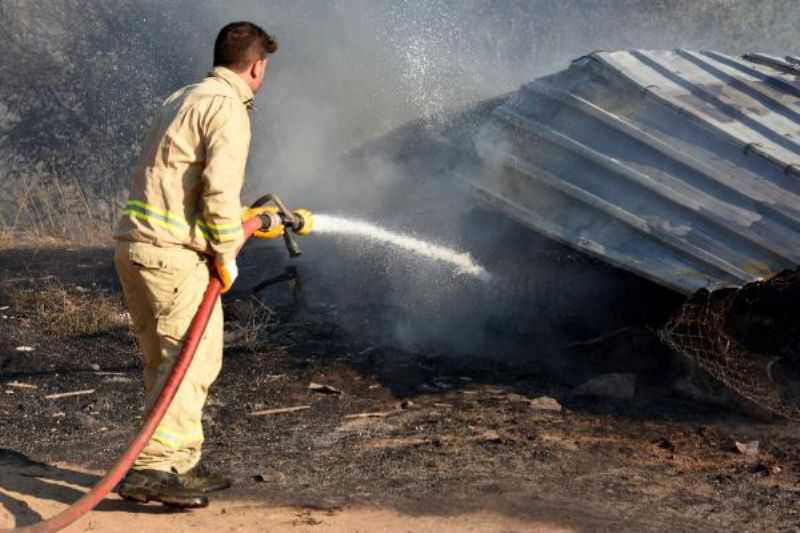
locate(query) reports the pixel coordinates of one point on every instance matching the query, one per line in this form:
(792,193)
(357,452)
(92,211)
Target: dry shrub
(247,323)
(61,311)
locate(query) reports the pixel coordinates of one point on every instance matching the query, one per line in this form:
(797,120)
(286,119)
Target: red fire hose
(162,403)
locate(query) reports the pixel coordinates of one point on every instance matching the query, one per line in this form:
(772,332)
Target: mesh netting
(715,332)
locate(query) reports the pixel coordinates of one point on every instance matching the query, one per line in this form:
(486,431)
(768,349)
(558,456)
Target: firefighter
(184,214)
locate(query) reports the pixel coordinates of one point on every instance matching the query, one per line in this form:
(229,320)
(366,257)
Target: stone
(324,389)
(616,386)
(747,448)
(545,403)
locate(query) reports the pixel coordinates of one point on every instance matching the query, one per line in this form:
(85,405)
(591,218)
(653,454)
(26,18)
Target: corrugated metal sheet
(680,166)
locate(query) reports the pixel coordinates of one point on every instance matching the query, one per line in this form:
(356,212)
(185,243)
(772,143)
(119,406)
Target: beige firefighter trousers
(163,288)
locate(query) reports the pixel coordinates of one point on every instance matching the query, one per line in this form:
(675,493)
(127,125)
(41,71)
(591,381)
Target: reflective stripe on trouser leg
(173,286)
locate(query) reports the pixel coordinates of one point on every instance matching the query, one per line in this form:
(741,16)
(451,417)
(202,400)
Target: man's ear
(259,68)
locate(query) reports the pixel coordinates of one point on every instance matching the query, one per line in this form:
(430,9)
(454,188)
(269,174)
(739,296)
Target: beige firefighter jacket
(186,185)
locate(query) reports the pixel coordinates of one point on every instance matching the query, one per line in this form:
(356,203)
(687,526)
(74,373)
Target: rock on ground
(615,386)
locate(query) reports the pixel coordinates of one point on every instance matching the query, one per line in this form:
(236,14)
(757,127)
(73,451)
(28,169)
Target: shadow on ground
(22,476)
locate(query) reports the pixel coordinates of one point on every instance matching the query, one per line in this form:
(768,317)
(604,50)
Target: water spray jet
(462,261)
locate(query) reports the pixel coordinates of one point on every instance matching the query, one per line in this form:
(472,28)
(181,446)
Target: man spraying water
(184,210)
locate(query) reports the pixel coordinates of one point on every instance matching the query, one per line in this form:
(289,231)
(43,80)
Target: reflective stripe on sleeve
(179,227)
(173,223)
(221,232)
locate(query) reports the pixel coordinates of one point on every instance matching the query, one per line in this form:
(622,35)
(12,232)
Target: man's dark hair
(240,44)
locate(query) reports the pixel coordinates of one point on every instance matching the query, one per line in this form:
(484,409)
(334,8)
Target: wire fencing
(703,331)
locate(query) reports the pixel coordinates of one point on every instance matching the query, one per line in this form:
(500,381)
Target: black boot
(199,479)
(153,485)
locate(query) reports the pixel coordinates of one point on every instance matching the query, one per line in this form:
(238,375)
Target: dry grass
(61,311)
(58,311)
(34,240)
(59,209)
(6,239)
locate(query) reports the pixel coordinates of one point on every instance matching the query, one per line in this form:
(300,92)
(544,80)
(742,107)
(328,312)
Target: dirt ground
(27,499)
(393,441)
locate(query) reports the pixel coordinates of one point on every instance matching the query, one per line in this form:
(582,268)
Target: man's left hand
(227,271)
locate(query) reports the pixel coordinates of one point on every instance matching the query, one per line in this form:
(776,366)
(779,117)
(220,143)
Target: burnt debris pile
(747,339)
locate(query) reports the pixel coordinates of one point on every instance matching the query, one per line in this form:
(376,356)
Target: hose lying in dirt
(162,403)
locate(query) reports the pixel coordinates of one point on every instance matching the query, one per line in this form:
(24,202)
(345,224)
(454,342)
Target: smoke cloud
(371,108)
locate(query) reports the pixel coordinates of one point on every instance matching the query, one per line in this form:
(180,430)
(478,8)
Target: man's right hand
(227,272)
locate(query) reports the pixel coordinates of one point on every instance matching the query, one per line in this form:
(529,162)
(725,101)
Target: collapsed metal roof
(680,166)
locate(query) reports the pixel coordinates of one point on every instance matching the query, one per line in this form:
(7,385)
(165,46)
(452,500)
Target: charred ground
(443,435)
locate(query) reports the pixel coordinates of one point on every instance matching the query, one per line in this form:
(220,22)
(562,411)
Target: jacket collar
(241,88)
